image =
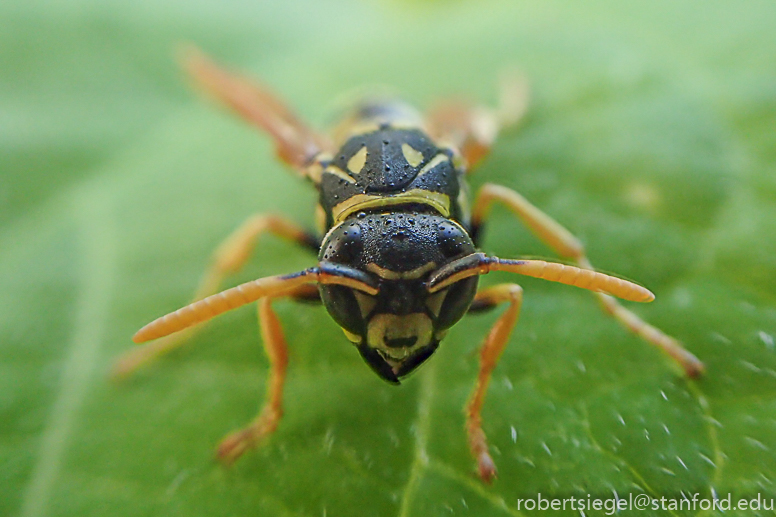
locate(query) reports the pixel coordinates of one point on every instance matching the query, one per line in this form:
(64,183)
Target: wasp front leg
(238,442)
(228,258)
(473,129)
(490,352)
(566,245)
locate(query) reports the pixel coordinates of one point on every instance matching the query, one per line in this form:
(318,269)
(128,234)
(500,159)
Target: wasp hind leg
(228,258)
(473,129)
(566,245)
(490,352)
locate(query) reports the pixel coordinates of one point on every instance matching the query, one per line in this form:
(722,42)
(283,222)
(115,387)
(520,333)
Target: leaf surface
(650,135)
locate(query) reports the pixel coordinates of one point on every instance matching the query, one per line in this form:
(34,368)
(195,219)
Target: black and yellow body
(397,263)
(394,203)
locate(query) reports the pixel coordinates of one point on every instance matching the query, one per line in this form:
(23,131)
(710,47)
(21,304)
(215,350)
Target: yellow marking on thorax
(412,155)
(357,161)
(333,169)
(436,200)
(436,160)
(413,274)
(315,170)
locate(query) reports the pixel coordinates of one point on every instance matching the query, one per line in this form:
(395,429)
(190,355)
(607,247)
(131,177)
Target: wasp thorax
(401,326)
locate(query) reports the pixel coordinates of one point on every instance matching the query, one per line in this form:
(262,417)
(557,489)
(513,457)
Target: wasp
(397,242)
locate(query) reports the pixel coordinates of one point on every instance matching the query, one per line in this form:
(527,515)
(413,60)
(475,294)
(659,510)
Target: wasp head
(398,328)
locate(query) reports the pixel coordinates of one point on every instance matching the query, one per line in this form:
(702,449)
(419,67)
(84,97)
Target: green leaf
(650,135)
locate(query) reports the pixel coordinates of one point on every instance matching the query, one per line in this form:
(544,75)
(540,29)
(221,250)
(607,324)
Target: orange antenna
(212,306)
(480,264)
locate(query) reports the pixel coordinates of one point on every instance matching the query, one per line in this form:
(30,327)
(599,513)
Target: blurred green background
(651,135)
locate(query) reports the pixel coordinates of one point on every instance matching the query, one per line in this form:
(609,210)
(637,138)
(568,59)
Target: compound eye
(453,240)
(348,307)
(344,246)
(458,297)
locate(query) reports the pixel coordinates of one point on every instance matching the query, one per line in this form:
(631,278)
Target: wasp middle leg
(566,245)
(228,258)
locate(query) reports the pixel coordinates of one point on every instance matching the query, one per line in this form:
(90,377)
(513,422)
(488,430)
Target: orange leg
(490,352)
(566,245)
(238,442)
(473,129)
(228,258)
(295,143)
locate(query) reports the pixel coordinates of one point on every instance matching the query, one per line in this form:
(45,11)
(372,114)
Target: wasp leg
(473,129)
(236,443)
(228,258)
(490,352)
(566,245)
(295,143)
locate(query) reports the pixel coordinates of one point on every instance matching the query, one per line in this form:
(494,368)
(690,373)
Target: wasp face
(400,327)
